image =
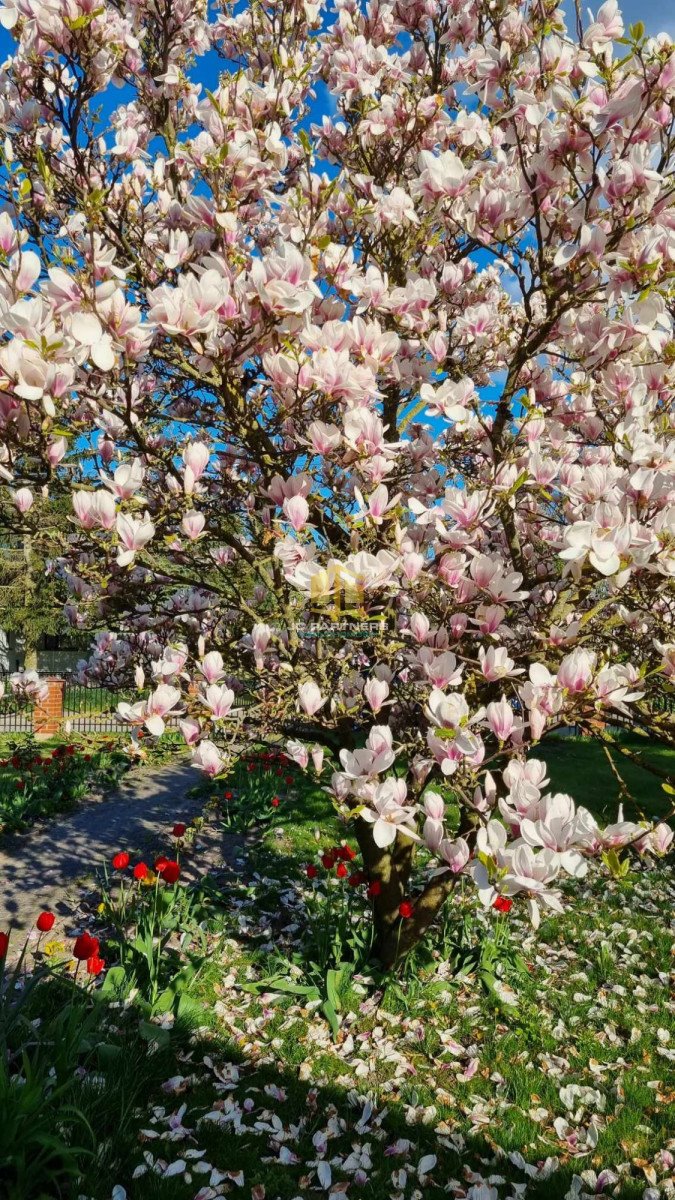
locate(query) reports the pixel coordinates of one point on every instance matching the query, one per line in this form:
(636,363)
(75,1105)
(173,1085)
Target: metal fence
(92,709)
(88,708)
(16,716)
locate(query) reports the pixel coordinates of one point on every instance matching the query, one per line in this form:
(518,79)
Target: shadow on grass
(268,1112)
(580,767)
(38,867)
(116,1083)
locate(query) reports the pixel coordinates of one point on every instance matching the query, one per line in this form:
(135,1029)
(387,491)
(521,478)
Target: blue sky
(657,15)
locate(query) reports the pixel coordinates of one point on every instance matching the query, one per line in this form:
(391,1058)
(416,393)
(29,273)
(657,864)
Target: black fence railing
(93,708)
(16,716)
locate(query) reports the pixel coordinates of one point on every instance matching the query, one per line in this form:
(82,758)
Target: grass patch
(580,767)
(431,1086)
(40,779)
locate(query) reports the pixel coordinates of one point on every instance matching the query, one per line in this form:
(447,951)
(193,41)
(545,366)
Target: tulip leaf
(332,1017)
(115,980)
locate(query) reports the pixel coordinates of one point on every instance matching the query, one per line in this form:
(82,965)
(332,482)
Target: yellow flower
(53,947)
(149,879)
(101,908)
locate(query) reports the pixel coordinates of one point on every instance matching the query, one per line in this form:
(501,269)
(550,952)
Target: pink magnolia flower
(376,692)
(23,499)
(134,534)
(377,505)
(56,451)
(658,841)
(296,509)
(260,637)
(206,757)
(376,756)
(309,695)
(501,719)
(193,525)
(126,480)
(211,666)
(323,438)
(219,699)
(191,730)
(455,853)
(388,814)
(298,752)
(495,663)
(94,509)
(159,705)
(575,672)
(196,457)
(317,758)
(419,627)
(434,809)
(556,829)
(441,669)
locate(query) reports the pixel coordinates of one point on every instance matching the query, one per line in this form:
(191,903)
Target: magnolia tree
(353,336)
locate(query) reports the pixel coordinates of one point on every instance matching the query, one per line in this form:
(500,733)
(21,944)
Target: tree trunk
(30,656)
(405,935)
(396,936)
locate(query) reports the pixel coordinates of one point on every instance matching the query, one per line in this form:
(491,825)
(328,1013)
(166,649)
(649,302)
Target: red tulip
(95,965)
(502,904)
(328,861)
(312,871)
(274,801)
(170,872)
(374,888)
(85,946)
(341,870)
(160,863)
(20,785)
(179,830)
(121,861)
(345,853)
(4,944)
(227,796)
(45,921)
(357,878)
(405,909)
(141,870)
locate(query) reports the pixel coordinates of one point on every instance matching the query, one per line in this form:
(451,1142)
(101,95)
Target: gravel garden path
(50,866)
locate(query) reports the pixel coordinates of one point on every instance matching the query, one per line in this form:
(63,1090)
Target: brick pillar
(48,713)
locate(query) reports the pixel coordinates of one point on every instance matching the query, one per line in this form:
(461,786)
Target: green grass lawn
(580,767)
(432,1086)
(39,779)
